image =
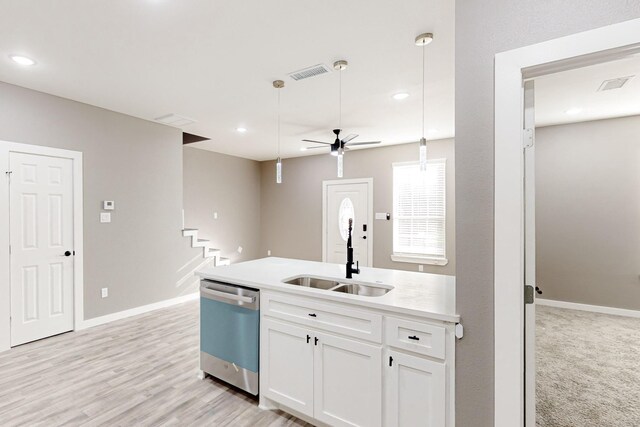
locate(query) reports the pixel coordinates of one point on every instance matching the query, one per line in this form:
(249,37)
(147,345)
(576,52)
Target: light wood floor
(140,371)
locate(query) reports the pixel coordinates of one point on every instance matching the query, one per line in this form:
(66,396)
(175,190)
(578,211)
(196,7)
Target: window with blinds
(419,202)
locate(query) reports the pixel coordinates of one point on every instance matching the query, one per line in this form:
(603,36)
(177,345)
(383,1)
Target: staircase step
(223,261)
(189,232)
(200,243)
(212,253)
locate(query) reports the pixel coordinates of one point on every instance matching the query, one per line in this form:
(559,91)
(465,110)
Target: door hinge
(529,137)
(528,294)
(8,173)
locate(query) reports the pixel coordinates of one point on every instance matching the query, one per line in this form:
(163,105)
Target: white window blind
(419,202)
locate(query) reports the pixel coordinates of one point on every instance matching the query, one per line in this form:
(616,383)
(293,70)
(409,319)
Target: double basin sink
(336,286)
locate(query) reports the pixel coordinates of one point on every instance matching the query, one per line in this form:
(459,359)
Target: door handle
(308,338)
(67,253)
(315,341)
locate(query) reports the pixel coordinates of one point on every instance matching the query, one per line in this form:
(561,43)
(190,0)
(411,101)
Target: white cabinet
(324,362)
(414,391)
(347,382)
(287,365)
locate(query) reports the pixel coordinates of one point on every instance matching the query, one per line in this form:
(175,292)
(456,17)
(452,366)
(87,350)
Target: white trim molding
(511,68)
(587,307)
(96,321)
(419,259)
(7,147)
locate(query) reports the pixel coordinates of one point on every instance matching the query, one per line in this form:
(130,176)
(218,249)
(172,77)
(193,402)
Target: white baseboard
(89,323)
(586,307)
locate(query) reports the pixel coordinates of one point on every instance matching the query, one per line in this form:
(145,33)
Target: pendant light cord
(423,90)
(278,123)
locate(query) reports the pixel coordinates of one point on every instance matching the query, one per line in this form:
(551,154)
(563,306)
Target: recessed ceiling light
(400,96)
(22,60)
(574,111)
(241,129)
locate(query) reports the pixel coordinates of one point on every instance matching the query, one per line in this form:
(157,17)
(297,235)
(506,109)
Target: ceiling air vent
(614,83)
(305,73)
(174,120)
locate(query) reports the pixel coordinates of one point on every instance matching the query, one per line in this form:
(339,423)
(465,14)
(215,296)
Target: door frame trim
(511,68)
(7,147)
(325,186)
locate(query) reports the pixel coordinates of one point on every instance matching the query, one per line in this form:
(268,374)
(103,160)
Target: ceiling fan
(340,144)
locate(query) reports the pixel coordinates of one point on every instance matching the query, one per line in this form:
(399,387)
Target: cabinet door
(415,391)
(287,365)
(347,382)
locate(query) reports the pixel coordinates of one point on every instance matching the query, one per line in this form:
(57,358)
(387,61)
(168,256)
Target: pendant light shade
(278,84)
(423,40)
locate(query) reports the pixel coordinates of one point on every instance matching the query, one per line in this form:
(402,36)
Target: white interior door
(344,200)
(529,257)
(41,236)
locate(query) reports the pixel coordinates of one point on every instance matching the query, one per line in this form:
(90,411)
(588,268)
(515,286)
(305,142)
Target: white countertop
(420,294)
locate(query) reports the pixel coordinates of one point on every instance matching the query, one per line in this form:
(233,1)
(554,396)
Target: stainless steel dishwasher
(230,333)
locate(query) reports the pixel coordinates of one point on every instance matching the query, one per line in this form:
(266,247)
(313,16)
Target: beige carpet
(588,369)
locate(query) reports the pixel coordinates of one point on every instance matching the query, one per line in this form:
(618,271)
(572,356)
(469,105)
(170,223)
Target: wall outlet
(105,217)
(105,292)
(268,252)
(239,249)
(420,267)
(215,215)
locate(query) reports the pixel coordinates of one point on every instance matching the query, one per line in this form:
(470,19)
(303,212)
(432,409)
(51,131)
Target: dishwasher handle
(219,294)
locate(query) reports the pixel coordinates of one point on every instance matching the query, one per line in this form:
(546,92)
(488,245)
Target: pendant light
(278,84)
(340,66)
(423,40)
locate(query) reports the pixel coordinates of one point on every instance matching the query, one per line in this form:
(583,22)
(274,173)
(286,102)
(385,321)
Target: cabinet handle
(415,338)
(312,315)
(390,361)
(316,340)
(308,338)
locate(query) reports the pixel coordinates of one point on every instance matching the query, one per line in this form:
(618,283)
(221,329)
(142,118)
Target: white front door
(344,201)
(41,236)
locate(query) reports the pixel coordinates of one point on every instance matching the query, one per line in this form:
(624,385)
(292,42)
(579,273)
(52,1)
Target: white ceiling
(578,90)
(214,61)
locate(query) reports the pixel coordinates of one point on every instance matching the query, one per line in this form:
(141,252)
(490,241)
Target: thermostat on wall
(108,205)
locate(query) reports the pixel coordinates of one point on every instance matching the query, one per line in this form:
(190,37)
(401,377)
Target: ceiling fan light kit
(278,84)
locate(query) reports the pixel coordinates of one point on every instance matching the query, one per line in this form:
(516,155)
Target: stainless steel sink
(313,282)
(358,289)
(335,286)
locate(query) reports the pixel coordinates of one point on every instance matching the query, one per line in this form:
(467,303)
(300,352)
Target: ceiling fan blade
(364,143)
(316,142)
(349,138)
(312,148)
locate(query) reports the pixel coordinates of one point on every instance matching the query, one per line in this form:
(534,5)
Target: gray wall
(292,211)
(140,256)
(482,30)
(588,212)
(230,186)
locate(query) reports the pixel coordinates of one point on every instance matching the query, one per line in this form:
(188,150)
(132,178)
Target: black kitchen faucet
(350,269)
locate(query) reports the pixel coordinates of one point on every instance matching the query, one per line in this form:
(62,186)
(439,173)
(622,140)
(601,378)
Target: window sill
(419,259)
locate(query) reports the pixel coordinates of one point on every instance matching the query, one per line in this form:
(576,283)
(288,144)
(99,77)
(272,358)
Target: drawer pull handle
(316,340)
(415,338)
(390,361)
(312,315)
(308,338)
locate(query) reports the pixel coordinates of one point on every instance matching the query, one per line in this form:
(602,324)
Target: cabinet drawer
(418,337)
(326,316)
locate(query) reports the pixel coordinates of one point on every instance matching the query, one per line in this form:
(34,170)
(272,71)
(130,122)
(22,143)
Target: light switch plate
(105,217)
(108,205)
(215,215)
(383,215)
(104,292)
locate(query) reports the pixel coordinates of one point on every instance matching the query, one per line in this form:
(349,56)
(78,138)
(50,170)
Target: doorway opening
(514,226)
(42,230)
